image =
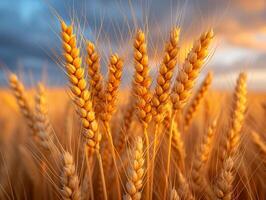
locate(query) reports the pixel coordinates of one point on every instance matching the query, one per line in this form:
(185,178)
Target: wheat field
(165,137)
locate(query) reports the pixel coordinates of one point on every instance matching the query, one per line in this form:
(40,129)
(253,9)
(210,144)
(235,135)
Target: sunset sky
(30,46)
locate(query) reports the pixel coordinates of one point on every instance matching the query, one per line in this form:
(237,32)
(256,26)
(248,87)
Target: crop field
(169,134)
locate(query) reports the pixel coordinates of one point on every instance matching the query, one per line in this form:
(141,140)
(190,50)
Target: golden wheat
(195,102)
(96,79)
(19,92)
(69,179)
(135,172)
(43,125)
(82,96)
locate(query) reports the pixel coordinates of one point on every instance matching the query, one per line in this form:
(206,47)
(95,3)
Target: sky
(30,35)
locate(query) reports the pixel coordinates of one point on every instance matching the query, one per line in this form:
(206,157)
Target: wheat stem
(155,145)
(111,143)
(102,174)
(168,155)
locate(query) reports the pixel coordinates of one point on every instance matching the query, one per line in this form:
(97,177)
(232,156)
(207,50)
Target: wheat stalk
(183,187)
(260,145)
(142,82)
(82,96)
(110,103)
(174,195)
(69,179)
(197,99)
(199,162)
(223,188)
(230,143)
(135,173)
(127,119)
(20,94)
(186,77)
(163,81)
(43,125)
(112,85)
(184,83)
(96,79)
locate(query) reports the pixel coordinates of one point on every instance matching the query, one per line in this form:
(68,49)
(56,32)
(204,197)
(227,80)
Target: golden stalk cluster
(147,151)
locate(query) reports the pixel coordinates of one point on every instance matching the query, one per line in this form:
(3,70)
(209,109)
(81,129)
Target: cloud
(29,30)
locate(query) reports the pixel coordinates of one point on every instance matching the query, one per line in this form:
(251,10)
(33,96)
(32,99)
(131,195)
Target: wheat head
(78,86)
(69,179)
(163,81)
(135,173)
(186,77)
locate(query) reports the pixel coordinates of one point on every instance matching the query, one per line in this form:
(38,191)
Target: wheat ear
(197,99)
(183,187)
(184,82)
(69,179)
(43,125)
(82,96)
(20,94)
(135,173)
(163,81)
(110,103)
(260,145)
(127,118)
(112,85)
(230,143)
(223,188)
(96,79)
(186,77)
(78,85)
(174,195)
(142,82)
(199,162)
